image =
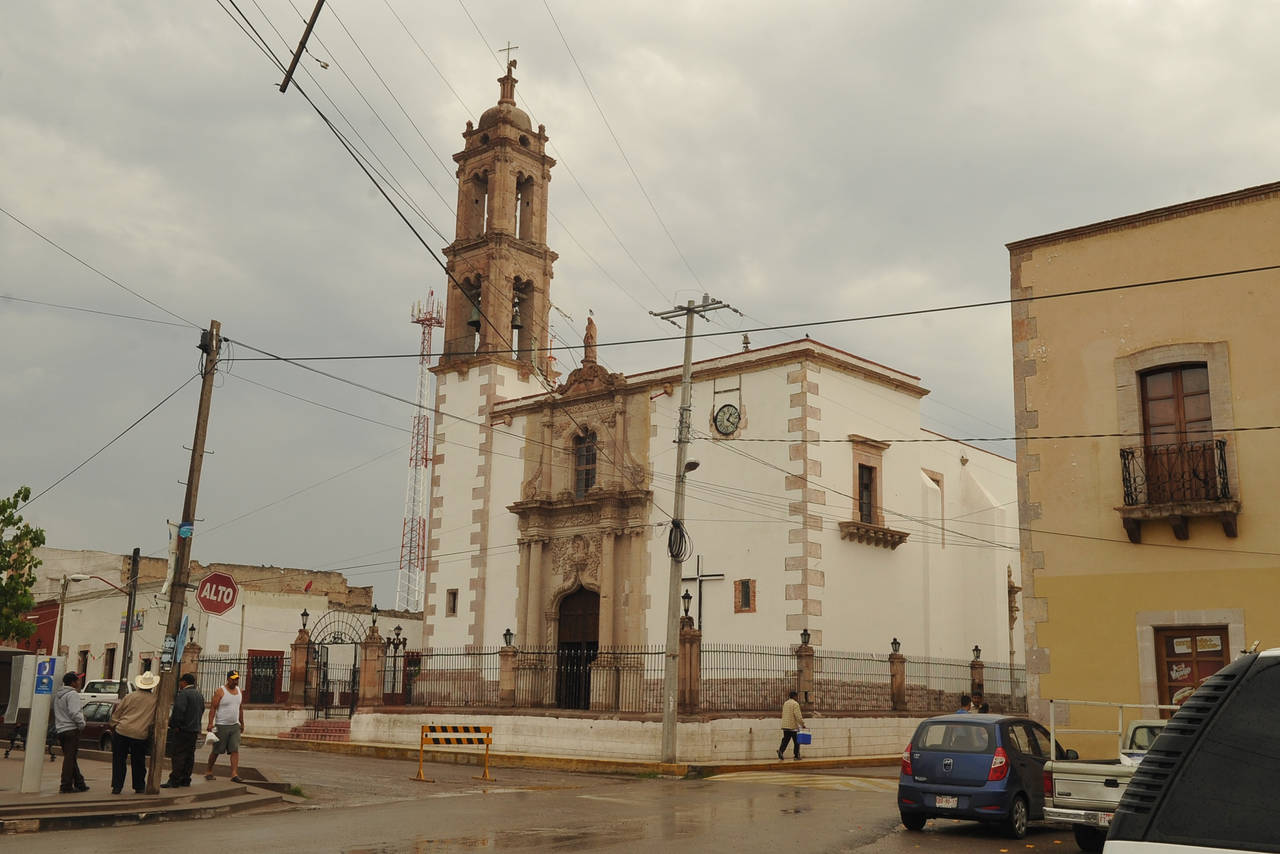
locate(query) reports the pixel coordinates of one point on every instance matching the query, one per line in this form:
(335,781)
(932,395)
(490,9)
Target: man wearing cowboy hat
(131,721)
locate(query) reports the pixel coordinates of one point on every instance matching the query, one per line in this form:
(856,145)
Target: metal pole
(671,674)
(210,342)
(62,607)
(128,622)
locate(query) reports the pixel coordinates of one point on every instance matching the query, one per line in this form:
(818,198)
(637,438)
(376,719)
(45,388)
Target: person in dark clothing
(68,720)
(184,731)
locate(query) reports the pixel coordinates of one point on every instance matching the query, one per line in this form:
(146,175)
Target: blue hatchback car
(987,768)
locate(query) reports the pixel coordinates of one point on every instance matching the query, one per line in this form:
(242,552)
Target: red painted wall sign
(217,593)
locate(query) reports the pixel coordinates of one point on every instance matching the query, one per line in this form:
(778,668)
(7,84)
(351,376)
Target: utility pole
(302,45)
(671,671)
(128,622)
(210,342)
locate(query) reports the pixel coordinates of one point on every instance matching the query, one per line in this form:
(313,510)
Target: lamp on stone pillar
(508,637)
(305,615)
(804,637)
(897,677)
(977,652)
(191,634)
(374,612)
(686,598)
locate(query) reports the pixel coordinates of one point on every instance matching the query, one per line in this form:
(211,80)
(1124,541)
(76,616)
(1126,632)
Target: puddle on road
(679,826)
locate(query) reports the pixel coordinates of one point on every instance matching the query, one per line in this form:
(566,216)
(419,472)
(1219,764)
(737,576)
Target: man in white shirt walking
(792,723)
(226,721)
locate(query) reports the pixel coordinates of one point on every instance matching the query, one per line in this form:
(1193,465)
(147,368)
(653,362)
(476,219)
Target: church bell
(516,323)
(474,320)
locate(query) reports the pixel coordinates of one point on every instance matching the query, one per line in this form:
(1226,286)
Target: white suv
(101,689)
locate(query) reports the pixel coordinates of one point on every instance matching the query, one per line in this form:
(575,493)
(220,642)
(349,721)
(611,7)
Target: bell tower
(499,263)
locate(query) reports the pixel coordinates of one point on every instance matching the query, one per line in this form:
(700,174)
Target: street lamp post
(62,606)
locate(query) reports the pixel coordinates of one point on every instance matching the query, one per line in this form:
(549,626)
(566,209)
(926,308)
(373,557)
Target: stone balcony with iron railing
(1175,483)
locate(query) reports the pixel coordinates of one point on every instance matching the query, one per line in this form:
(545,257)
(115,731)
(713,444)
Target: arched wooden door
(579,641)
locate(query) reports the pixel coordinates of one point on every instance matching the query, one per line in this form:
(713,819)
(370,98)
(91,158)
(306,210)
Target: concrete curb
(579,764)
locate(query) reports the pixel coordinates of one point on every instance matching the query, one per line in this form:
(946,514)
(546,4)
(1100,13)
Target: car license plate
(946,802)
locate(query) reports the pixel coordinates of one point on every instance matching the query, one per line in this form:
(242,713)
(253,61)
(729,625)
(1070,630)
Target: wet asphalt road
(371,806)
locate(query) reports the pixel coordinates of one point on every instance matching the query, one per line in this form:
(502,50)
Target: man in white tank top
(226,721)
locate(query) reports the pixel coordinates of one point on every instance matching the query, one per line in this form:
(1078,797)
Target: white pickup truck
(1084,792)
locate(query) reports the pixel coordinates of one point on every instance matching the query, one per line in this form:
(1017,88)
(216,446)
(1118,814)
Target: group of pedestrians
(131,723)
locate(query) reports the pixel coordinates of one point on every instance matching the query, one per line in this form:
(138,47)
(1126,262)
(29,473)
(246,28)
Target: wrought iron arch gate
(333,665)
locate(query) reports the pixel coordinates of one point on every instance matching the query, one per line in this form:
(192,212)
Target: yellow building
(1148,454)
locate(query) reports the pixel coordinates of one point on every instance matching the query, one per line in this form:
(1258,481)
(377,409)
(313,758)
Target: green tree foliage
(18,562)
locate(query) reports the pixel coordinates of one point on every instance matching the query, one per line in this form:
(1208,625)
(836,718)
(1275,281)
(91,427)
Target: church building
(819,503)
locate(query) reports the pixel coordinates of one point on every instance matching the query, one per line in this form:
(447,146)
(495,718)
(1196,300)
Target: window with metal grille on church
(584,463)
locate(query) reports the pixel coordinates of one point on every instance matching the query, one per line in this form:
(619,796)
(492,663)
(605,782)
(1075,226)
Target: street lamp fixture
(686,598)
(191,634)
(977,652)
(896,645)
(804,637)
(394,644)
(374,612)
(508,637)
(305,615)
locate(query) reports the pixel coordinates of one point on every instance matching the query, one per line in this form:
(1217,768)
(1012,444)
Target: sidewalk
(49,810)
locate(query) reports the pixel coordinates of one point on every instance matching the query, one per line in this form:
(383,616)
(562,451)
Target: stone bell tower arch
(499,264)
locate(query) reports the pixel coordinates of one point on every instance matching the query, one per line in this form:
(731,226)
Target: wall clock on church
(726,419)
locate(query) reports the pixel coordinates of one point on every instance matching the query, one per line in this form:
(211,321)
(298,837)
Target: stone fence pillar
(975,674)
(298,668)
(507,677)
(690,698)
(190,658)
(371,654)
(804,673)
(897,681)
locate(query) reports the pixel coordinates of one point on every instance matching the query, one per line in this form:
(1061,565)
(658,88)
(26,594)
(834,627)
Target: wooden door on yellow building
(1186,656)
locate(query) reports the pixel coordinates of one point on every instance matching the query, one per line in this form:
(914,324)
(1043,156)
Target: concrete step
(142,810)
(125,801)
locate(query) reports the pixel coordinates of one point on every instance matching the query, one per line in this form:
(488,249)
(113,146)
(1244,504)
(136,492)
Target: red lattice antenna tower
(413,540)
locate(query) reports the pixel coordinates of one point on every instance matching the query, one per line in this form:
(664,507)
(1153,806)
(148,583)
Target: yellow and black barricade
(455,734)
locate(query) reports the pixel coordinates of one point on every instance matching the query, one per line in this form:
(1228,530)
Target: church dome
(513,115)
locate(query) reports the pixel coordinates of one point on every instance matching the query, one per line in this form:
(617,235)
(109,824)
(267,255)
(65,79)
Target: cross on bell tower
(499,263)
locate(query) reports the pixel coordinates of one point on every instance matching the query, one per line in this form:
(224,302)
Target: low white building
(262,624)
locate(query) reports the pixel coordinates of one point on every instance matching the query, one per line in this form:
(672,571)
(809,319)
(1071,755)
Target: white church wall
(502,566)
(452,525)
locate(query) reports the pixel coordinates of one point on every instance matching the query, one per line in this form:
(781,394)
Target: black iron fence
(935,684)
(462,676)
(850,681)
(1005,687)
(263,678)
(731,678)
(746,678)
(1165,474)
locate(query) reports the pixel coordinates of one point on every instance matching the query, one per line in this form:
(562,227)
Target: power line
(114,440)
(829,322)
(89,266)
(618,143)
(93,311)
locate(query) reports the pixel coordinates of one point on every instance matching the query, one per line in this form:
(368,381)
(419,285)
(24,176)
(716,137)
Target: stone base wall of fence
(720,740)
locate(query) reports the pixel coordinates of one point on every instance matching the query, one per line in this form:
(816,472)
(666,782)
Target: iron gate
(333,665)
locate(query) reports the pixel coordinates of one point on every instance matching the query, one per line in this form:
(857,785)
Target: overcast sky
(808,160)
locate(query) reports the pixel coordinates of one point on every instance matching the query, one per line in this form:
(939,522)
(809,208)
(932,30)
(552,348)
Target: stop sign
(217,593)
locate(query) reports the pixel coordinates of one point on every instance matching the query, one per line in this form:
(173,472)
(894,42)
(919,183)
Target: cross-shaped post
(507,50)
(699,576)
